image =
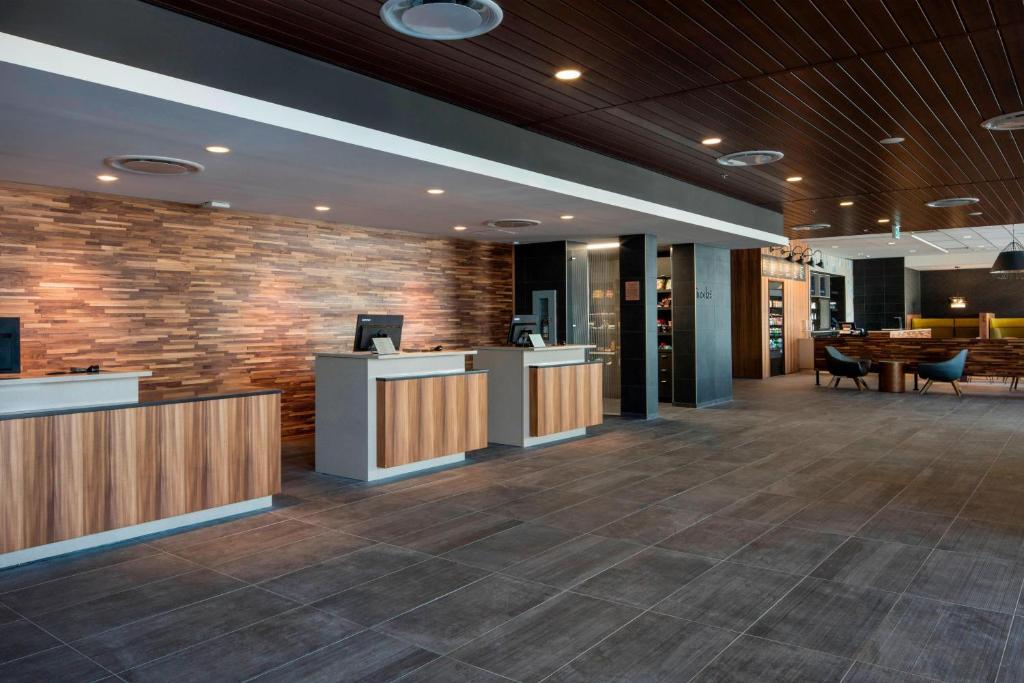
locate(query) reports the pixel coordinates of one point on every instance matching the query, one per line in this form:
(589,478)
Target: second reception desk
(382,416)
(546,394)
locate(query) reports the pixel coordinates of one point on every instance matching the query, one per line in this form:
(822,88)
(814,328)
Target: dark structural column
(638,325)
(701,325)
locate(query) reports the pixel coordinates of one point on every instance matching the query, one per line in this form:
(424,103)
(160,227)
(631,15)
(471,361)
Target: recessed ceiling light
(567,217)
(890,243)
(603,245)
(883,220)
(975,213)
(846,203)
(441,20)
(757,157)
(794,179)
(459,228)
(218,149)
(968,237)
(892,141)
(568,74)
(104,178)
(710,141)
(435,190)
(322,207)
(1012,121)
(950,202)
(807,227)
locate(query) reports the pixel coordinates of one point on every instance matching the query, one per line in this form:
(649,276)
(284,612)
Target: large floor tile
(650,648)
(826,616)
(970,580)
(716,537)
(454,533)
(939,640)
(590,515)
(539,642)
(904,526)
(21,638)
(139,642)
(294,556)
(575,561)
(753,660)
(510,547)
(832,516)
(249,651)
(387,597)
(341,573)
(791,550)
(452,671)
(728,595)
(767,508)
(876,564)
(34,573)
(61,664)
(260,540)
(996,540)
(457,618)
(650,525)
(646,578)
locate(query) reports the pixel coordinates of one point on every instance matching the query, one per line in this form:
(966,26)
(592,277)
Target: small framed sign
(536,341)
(632,288)
(383,346)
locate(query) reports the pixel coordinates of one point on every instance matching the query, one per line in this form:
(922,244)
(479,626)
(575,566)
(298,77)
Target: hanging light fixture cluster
(1009,264)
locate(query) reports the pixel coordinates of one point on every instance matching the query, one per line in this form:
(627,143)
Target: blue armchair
(843,366)
(947,371)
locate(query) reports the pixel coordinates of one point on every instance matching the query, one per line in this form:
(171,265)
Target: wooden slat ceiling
(820,80)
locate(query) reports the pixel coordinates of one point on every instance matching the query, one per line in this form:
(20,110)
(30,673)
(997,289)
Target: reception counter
(383,416)
(80,477)
(547,394)
(24,393)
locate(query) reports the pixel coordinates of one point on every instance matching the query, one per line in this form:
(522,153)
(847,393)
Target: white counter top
(402,355)
(71,377)
(542,349)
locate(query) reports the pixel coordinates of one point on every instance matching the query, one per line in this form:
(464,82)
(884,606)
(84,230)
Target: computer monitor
(520,329)
(369,325)
(10,346)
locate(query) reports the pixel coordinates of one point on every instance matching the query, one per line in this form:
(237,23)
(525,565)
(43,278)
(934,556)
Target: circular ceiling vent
(1011,121)
(441,19)
(951,202)
(757,157)
(511,223)
(807,227)
(144,164)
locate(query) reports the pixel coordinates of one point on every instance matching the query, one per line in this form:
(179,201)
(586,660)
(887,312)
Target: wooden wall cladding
(65,476)
(209,298)
(985,357)
(421,418)
(564,397)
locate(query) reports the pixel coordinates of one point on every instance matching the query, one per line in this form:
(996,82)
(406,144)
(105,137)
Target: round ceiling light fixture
(950,202)
(895,140)
(441,19)
(144,164)
(1011,121)
(459,228)
(794,179)
(568,74)
(757,157)
(807,227)
(218,149)
(512,223)
(710,142)
(976,213)
(106,178)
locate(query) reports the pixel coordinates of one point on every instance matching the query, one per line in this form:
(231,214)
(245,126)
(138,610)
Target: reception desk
(383,416)
(81,477)
(25,393)
(547,394)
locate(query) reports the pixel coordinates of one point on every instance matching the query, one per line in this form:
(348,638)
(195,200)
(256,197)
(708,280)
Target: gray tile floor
(797,534)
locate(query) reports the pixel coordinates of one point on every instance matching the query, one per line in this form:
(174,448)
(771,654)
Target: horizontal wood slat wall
(65,476)
(430,417)
(564,397)
(985,357)
(204,297)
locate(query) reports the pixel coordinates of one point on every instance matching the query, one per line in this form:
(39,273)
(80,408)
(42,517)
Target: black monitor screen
(369,326)
(520,328)
(10,346)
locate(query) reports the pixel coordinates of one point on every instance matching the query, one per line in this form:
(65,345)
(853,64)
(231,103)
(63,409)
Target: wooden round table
(892,376)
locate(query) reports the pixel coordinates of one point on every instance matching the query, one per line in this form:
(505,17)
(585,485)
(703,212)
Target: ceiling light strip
(930,244)
(36,55)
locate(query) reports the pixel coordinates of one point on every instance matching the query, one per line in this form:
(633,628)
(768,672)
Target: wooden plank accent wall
(65,476)
(204,298)
(985,357)
(422,418)
(564,397)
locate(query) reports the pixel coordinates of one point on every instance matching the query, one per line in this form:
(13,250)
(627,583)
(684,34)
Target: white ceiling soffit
(941,249)
(55,60)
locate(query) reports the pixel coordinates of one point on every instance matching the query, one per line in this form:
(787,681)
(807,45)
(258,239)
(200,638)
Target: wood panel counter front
(78,478)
